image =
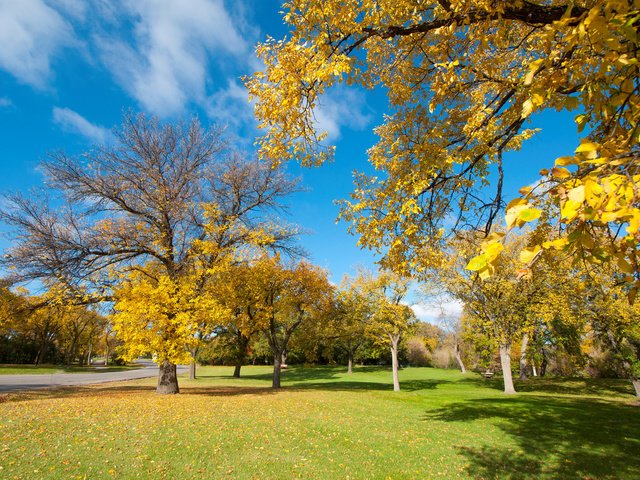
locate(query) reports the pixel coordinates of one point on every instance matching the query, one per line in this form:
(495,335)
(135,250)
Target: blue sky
(69,68)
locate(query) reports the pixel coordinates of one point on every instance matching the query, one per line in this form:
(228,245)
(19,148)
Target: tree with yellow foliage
(148,222)
(505,306)
(390,318)
(236,291)
(463,78)
(285,298)
(347,326)
(615,323)
(164,316)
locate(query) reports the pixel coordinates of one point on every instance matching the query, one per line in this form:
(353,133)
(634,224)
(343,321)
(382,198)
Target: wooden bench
(487,374)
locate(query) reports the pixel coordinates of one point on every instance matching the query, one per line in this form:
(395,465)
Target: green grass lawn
(324,424)
(49,369)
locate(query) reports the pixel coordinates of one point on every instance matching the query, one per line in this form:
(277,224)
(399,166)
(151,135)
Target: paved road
(12,383)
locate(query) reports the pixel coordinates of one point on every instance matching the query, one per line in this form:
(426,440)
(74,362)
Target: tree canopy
(462,79)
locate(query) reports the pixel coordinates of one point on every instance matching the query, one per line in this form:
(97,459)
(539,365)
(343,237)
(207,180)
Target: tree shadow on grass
(227,391)
(560,385)
(554,438)
(296,374)
(333,379)
(408,385)
(576,386)
(95,391)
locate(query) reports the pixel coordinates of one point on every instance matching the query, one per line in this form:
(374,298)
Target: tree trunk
(394,363)
(523,357)
(89,354)
(534,372)
(505,361)
(277,363)
(236,370)
(192,364)
(41,351)
(167,378)
(71,355)
(350,363)
(459,358)
(636,386)
(543,365)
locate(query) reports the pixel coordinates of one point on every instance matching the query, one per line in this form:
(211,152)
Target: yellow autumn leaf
(477,263)
(576,194)
(569,209)
(560,173)
(556,244)
(529,214)
(588,149)
(527,108)
(624,266)
(564,161)
(533,68)
(529,254)
(486,272)
(492,251)
(592,192)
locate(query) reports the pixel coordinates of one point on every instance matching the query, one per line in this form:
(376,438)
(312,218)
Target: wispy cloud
(5,102)
(231,106)
(340,108)
(73,122)
(167,65)
(76,9)
(31,33)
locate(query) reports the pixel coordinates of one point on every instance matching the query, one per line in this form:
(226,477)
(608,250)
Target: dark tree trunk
(505,361)
(350,363)
(523,357)
(236,370)
(277,364)
(41,352)
(167,378)
(543,365)
(71,355)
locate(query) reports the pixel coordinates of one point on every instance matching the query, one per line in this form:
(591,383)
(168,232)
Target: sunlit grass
(324,424)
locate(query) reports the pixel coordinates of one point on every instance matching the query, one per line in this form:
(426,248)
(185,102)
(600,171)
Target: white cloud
(76,9)
(431,312)
(167,64)
(73,122)
(31,33)
(339,108)
(231,106)
(5,102)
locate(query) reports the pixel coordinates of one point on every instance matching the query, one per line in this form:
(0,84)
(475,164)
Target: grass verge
(324,424)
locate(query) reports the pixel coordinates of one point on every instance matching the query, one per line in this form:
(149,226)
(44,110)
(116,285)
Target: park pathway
(13,383)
